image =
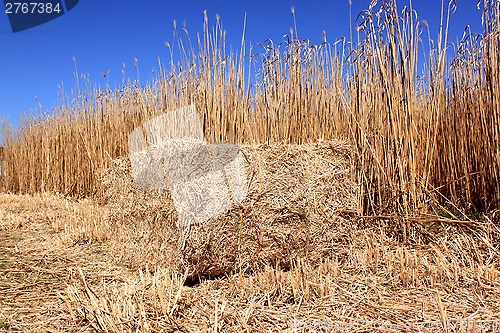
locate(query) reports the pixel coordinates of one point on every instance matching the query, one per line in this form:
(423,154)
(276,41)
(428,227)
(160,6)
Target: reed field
(418,138)
(398,134)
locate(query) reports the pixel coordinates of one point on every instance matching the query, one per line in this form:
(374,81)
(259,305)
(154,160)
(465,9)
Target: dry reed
(419,141)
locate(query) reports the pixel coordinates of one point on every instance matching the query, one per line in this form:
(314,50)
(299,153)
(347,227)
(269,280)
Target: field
(61,273)
(393,227)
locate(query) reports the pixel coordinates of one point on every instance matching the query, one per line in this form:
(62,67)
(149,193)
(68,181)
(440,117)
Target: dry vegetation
(62,271)
(300,199)
(418,139)
(424,149)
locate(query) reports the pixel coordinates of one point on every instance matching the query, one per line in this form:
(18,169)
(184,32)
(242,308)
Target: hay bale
(297,197)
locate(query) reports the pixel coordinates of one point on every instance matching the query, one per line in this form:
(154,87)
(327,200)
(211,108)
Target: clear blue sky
(104,34)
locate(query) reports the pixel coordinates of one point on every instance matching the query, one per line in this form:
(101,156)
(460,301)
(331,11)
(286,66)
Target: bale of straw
(297,200)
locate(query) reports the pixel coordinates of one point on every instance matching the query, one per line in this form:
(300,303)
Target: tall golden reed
(419,140)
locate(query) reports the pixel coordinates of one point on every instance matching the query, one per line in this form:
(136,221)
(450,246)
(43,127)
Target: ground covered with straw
(59,272)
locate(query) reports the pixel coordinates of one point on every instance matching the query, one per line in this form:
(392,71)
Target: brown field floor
(58,274)
(36,265)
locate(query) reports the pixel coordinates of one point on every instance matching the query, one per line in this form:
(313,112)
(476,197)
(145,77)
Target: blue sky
(104,34)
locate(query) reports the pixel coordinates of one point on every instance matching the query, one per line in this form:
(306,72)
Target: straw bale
(296,199)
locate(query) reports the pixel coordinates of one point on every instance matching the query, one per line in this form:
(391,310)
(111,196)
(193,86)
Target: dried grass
(294,256)
(373,283)
(44,240)
(421,139)
(58,274)
(297,199)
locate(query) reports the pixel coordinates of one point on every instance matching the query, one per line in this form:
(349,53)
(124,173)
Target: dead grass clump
(296,199)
